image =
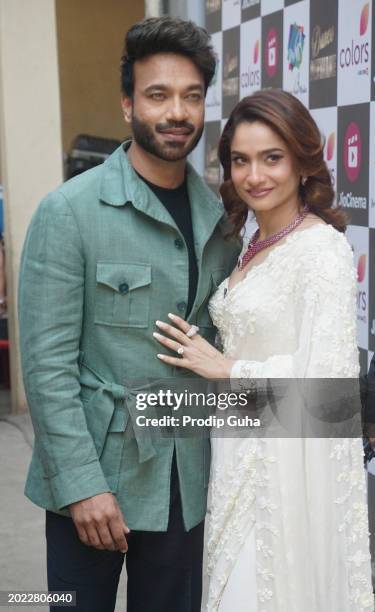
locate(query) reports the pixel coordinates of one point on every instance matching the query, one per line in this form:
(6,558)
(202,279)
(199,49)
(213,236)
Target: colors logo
(296,44)
(256,52)
(330,146)
(352,151)
(361,268)
(364,20)
(251,78)
(361,295)
(272,52)
(358,52)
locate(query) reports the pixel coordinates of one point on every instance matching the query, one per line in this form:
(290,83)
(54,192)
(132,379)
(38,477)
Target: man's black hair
(166,35)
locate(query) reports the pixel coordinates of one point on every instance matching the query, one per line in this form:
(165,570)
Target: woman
(288,529)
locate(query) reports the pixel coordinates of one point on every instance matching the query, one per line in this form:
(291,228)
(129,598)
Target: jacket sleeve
(50,299)
(325,316)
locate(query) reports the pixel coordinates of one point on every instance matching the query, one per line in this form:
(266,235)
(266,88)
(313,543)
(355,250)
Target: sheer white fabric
(287,526)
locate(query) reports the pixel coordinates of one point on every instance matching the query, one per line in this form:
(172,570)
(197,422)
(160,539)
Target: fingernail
(159,323)
(160,356)
(172,316)
(156,335)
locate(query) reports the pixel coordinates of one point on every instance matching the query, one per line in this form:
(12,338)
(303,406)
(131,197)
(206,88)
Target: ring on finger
(180,350)
(194,329)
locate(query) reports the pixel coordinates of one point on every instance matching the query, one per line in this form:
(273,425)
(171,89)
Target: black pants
(164,568)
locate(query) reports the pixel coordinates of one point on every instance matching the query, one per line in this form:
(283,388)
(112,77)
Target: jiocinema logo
(348,200)
(272,52)
(251,77)
(352,151)
(357,52)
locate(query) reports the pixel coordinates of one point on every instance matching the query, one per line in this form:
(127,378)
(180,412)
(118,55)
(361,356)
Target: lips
(259,193)
(176,134)
(176,131)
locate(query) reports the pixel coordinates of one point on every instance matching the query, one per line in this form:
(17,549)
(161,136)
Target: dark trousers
(164,568)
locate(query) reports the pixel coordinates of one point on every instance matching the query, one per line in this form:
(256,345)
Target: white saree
(287,528)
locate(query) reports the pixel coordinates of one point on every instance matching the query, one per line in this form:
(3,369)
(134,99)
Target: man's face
(167,109)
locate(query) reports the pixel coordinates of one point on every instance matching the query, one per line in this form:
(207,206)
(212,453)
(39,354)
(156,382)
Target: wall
(30,136)
(90,36)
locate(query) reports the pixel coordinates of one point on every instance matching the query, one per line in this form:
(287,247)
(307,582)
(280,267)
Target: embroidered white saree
(287,527)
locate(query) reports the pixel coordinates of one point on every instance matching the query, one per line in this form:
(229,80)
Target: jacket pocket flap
(123,277)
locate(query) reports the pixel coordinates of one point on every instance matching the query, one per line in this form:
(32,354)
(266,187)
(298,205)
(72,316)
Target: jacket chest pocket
(122,294)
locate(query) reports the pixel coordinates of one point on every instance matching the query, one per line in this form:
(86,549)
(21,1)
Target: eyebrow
(273,150)
(161,87)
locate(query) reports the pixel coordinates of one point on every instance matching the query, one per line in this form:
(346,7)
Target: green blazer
(102,260)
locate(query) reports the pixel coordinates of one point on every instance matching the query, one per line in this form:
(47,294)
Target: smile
(259,193)
(176,134)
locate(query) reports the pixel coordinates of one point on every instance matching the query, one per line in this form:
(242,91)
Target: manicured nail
(160,356)
(160,323)
(156,335)
(171,316)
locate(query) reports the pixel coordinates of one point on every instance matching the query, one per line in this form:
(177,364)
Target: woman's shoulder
(324,253)
(322,239)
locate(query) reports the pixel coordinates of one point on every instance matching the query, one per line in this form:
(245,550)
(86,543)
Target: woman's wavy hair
(291,120)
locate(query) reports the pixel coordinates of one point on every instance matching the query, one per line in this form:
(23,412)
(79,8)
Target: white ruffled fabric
(287,527)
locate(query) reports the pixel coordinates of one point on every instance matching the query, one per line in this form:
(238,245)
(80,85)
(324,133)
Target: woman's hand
(197,354)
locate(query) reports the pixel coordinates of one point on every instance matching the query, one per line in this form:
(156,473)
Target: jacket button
(178,243)
(123,288)
(182,306)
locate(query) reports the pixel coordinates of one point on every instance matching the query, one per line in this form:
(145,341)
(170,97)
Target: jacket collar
(121,186)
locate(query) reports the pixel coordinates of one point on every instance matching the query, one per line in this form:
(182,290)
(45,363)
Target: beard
(169,151)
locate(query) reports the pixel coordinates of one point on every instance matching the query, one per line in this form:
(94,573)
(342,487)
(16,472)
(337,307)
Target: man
(106,255)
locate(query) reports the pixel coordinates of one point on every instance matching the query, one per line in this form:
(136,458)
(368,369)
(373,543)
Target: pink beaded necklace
(255,245)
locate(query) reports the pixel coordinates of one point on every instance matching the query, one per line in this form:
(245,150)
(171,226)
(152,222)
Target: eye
(157,96)
(195,97)
(237,160)
(274,158)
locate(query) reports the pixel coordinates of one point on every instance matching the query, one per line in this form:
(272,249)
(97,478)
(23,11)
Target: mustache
(184,125)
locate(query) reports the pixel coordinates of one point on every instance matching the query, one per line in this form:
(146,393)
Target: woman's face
(262,168)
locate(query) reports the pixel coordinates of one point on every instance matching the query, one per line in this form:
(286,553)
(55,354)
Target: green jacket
(102,260)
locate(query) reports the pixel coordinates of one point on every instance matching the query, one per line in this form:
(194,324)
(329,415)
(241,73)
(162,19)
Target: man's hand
(100,523)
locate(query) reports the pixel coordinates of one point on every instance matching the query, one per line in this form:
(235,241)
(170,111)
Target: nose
(177,110)
(254,175)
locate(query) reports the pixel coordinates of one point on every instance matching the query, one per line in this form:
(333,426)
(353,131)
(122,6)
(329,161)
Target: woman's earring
(303,181)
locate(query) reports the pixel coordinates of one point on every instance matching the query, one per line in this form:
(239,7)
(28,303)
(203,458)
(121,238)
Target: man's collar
(121,185)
